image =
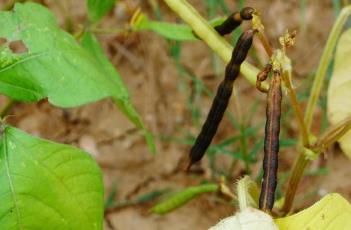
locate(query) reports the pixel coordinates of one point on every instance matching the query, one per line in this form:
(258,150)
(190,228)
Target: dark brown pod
(242,48)
(221,99)
(271,144)
(234,20)
(246,13)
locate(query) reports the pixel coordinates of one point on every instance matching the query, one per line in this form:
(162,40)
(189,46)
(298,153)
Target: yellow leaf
(339,91)
(333,212)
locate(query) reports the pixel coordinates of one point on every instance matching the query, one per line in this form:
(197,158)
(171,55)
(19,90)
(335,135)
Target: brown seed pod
(262,76)
(222,97)
(234,20)
(246,13)
(271,143)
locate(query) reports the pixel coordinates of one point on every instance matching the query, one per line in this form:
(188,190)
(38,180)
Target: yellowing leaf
(333,212)
(339,92)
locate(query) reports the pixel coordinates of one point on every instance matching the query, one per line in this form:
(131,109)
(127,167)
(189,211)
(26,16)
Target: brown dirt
(153,81)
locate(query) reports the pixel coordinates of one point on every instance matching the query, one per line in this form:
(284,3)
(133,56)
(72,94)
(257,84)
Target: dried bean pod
(271,144)
(234,20)
(222,97)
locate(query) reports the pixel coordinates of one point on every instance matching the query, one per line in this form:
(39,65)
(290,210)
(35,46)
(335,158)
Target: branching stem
(324,63)
(302,161)
(208,34)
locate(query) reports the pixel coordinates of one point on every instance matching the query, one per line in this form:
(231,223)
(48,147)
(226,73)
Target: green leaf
(98,8)
(44,185)
(177,32)
(55,66)
(333,212)
(339,92)
(167,30)
(180,198)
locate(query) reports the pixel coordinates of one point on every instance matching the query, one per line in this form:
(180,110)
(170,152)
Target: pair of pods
(221,100)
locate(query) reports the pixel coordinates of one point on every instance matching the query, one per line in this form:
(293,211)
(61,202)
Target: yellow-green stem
(207,34)
(294,181)
(332,134)
(302,162)
(324,63)
(297,109)
(263,38)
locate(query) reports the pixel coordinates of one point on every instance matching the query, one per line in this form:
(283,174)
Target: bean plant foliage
(55,65)
(47,185)
(97,8)
(41,181)
(332,211)
(339,105)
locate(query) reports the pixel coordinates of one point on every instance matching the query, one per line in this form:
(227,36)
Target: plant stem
(258,25)
(204,31)
(294,181)
(324,63)
(263,38)
(333,134)
(297,108)
(302,161)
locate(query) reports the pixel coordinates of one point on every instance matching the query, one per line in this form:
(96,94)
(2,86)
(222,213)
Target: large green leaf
(55,65)
(98,8)
(339,92)
(44,185)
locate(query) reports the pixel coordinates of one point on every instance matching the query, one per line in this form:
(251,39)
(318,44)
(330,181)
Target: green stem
(207,34)
(333,134)
(324,63)
(302,161)
(293,183)
(297,108)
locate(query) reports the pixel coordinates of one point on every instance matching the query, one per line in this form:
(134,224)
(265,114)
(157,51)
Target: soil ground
(155,85)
